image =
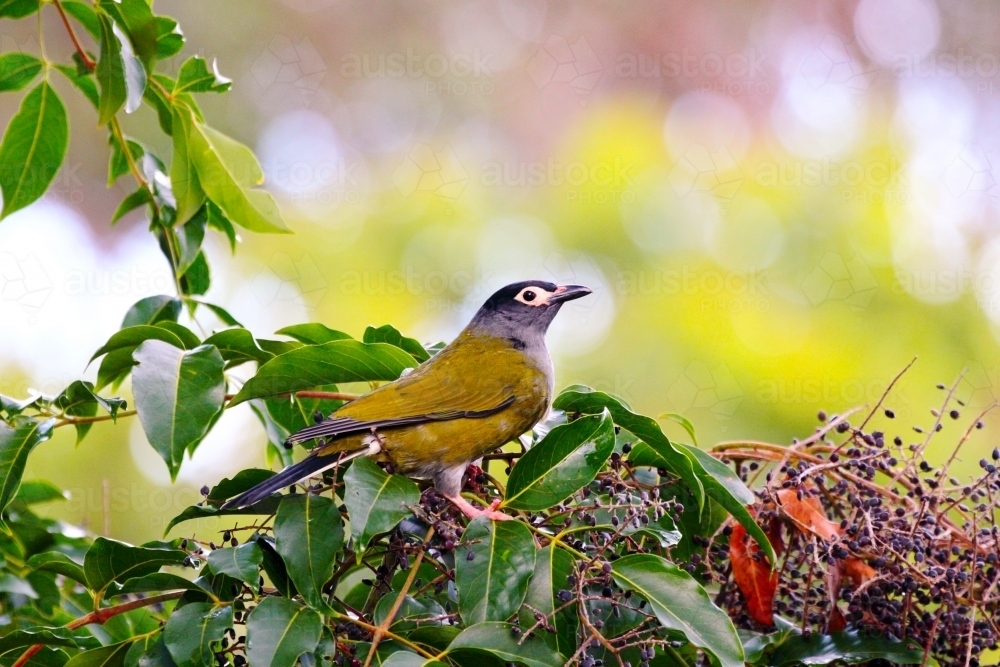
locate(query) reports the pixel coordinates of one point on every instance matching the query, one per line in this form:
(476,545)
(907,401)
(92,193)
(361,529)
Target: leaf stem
(100,617)
(84,58)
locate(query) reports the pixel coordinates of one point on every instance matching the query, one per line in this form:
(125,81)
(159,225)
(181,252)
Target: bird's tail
(307,467)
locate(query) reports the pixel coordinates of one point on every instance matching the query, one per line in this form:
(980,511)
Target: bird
(491,384)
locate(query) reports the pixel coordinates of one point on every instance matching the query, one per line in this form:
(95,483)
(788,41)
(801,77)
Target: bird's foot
(474,512)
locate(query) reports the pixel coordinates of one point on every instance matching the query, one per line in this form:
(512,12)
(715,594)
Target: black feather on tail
(286,477)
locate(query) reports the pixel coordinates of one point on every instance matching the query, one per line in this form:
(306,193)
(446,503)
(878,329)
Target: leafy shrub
(627,548)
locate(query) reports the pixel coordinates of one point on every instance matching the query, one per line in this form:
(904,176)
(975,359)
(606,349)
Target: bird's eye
(529,296)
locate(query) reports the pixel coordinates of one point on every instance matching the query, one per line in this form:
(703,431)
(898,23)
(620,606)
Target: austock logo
(286,63)
(560,62)
(437,172)
(834,279)
(704,387)
(24,282)
(285,279)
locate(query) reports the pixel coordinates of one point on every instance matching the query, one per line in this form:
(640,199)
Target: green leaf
(274,566)
(552,566)
(110,72)
(15,444)
(110,560)
(187,336)
(238,346)
(33,148)
(37,491)
(409,613)
(18,9)
(266,506)
(680,603)
(136,18)
(498,640)
(178,395)
(45,636)
(47,657)
(585,400)
(567,459)
(156,582)
(376,501)
(183,175)
(84,82)
(118,163)
(169,38)
(105,656)
(845,647)
(60,563)
(195,76)
(309,532)
(330,363)
(218,311)
(227,170)
(118,361)
(191,631)
(17,70)
(153,309)
(149,651)
(279,631)
(189,238)
(313,333)
(683,421)
(218,221)
(196,280)
(388,334)
(242,562)
(137,198)
(85,15)
(493,584)
(407,659)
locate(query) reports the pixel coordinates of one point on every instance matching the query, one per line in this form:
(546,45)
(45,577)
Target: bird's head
(525,308)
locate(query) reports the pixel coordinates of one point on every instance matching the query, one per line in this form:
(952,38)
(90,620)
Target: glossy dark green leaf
(178,395)
(139,197)
(238,346)
(567,459)
(845,647)
(153,309)
(331,363)
(118,361)
(186,336)
(47,637)
(149,651)
(191,630)
(218,221)
(155,582)
(118,163)
(18,9)
(60,563)
(493,584)
(680,603)
(17,70)
(277,347)
(224,315)
(33,148)
(407,659)
(85,16)
(105,656)
(37,491)
(46,657)
(308,533)
(136,19)
(110,72)
(197,278)
(498,640)
(552,566)
(585,400)
(242,562)
(411,611)
(109,560)
(16,442)
(274,566)
(313,333)
(227,170)
(169,38)
(195,76)
(279,631)
(389,334)
(376,501)
(189,239)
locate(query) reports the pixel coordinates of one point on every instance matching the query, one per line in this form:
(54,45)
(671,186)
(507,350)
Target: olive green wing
(435,392)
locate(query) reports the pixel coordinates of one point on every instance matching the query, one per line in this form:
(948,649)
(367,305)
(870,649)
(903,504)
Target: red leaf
(753,575)
(808,513)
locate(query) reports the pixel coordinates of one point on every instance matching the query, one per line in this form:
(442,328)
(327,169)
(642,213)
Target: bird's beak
(568,293)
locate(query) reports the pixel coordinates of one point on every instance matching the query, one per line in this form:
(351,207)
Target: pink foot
(473,512)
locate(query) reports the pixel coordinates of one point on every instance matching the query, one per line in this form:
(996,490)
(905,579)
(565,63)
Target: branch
(84,58)
(100,617)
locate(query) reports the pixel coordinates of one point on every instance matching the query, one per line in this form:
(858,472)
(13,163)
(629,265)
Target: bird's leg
(473,512)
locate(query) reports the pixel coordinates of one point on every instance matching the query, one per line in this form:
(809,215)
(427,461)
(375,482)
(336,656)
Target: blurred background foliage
(777,204)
